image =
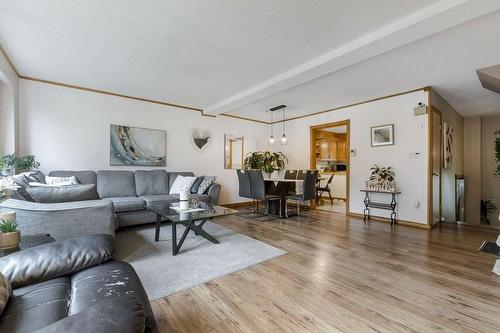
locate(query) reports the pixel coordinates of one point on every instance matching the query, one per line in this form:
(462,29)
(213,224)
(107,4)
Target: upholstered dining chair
(291,174)
(301,174)
(245,189)
(258,186)
(308,191)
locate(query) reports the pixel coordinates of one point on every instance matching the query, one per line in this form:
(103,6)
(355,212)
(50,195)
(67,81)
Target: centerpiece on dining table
(268,162)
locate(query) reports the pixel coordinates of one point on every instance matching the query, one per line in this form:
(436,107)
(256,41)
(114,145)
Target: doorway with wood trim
(435,167)
(330,156)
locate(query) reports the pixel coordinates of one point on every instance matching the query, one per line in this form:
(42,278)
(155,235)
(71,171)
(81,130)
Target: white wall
(472,169)
(490,184)
(69,129)
(9,97)
(411,137)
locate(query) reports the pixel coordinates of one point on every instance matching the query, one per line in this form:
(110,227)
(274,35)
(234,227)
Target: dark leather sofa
(73,285)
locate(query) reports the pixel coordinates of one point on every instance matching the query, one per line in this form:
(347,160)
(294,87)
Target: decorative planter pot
(9,240)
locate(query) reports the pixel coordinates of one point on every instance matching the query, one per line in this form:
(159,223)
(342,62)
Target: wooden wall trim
(236,205)
(244,118)
(427,88)
(105,92)
(400,222)
(190,108)
(312,152)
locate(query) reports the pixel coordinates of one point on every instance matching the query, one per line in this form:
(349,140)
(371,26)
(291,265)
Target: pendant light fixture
(284,139)
(272,140)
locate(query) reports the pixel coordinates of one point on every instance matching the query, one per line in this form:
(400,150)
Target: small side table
(29,240)
(380,205)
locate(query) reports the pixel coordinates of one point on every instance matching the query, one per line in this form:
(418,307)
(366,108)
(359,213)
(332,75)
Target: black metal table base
(190,225)
(389,206)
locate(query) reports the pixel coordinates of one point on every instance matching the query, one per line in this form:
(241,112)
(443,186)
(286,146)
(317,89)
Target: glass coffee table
(193,219)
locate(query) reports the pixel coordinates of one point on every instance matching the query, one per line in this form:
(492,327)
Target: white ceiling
(245,56)
(446,61)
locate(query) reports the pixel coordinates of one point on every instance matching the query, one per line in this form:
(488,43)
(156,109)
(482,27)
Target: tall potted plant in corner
(9,235)
(488,206)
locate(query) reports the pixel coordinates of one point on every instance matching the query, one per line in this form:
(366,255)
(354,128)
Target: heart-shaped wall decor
(201,139)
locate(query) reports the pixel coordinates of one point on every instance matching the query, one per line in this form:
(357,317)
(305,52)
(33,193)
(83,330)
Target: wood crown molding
(105,92)
(426,88)
(147,100)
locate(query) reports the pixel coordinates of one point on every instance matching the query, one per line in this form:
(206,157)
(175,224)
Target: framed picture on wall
(382,135)
(137,146)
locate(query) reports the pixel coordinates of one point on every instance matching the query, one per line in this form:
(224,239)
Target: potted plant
(266,161)
(12,163)
(497,153)
(254,160)
(9,235)
(382,178)
(6,185)
(487,206)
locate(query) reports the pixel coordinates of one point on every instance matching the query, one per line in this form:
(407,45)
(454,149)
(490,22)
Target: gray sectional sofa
(119,201)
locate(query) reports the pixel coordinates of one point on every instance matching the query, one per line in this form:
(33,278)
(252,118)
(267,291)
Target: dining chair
(301,174)
(308,191)
(245,189)
(322,189)
(258,186)
(291,174)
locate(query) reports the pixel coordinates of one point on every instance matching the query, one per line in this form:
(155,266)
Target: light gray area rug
(197,262)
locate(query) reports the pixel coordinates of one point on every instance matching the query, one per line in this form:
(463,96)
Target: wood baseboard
(386,220)
(238,204)
(325,197)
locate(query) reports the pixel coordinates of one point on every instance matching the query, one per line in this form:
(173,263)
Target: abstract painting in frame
(135,146)
(448,145)
(382,135)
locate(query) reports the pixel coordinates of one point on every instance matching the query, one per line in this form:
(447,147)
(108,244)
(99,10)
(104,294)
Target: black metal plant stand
(380,205)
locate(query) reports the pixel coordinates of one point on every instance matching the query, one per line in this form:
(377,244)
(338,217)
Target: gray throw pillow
(5,291)
(36,176)
(21,180)
(68,193)
(196,184)
(206,183)
(23,184)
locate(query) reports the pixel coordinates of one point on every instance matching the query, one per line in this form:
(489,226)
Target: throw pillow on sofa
(22,184)
(36,176)
(54,194)
(196,184)
(206,183)
(61,181)
(5,291)
(182,184)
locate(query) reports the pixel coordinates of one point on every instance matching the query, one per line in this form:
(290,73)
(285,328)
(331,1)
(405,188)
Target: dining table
(281,187)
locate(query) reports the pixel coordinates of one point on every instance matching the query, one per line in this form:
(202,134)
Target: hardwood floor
(341,275)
